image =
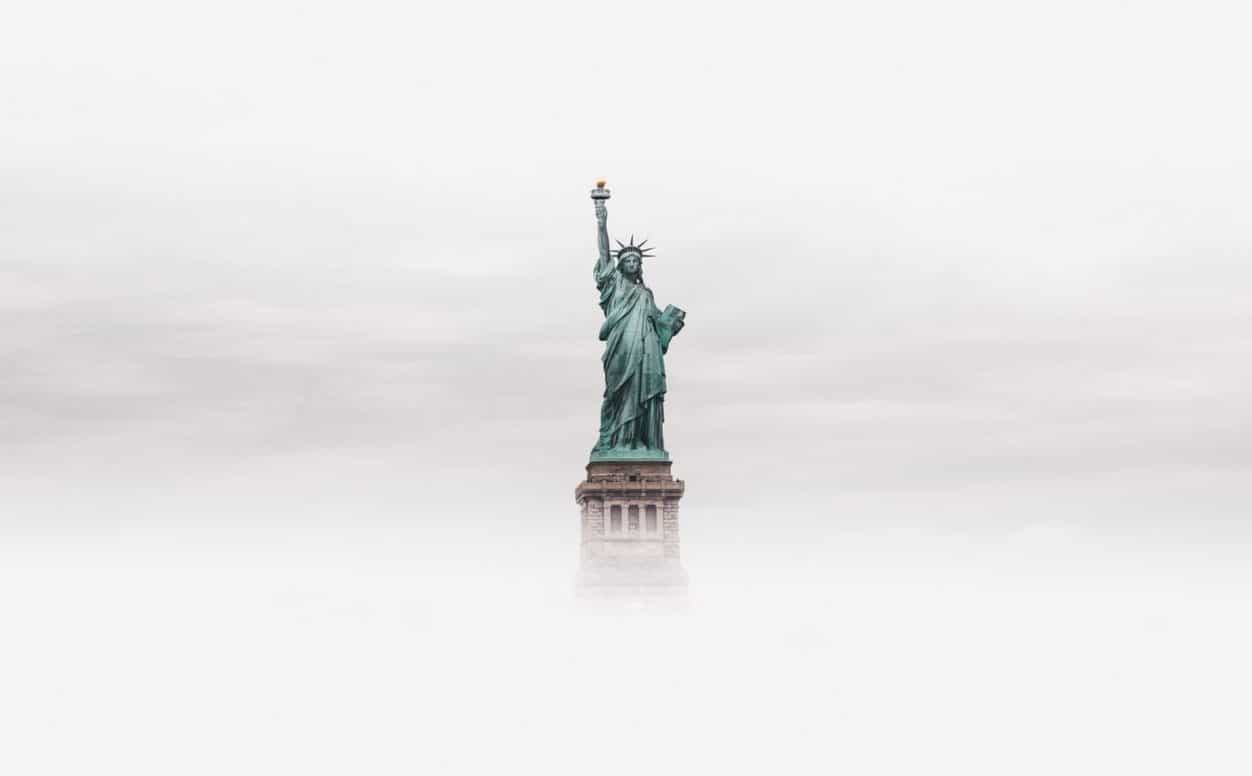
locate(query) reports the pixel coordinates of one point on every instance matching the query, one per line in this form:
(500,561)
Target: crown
(639,250)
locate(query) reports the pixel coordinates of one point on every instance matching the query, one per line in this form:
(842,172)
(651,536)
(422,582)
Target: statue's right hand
(602,212)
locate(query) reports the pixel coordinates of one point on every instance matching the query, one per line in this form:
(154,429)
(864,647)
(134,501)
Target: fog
(886,655)
(298,373)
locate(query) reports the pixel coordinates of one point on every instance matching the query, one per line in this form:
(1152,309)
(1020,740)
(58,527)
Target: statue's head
(630,259)
(630,264)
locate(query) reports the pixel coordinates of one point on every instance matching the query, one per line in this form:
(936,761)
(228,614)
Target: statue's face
(630,265)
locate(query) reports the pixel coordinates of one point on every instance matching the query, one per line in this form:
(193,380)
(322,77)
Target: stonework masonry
(629,530)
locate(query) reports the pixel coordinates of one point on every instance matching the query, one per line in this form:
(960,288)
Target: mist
(299,371)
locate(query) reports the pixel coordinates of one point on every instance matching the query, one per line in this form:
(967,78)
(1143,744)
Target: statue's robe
(632,412)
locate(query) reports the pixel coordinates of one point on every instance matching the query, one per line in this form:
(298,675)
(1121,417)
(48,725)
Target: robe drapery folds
(632,412)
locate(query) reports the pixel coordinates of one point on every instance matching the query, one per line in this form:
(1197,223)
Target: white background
(299,371)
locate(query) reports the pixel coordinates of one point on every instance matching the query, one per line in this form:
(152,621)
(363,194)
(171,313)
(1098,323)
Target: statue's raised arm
(604,262)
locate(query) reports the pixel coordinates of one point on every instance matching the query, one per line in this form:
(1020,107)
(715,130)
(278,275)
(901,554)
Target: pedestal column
(629,536)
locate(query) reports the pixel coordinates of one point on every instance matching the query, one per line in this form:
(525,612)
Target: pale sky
(299,370)
(921,247)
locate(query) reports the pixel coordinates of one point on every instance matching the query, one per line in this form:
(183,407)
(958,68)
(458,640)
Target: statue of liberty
(636,335)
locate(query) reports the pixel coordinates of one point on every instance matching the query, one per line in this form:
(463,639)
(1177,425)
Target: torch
(599,192)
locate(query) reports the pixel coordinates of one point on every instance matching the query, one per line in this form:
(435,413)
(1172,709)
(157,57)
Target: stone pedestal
(629,539)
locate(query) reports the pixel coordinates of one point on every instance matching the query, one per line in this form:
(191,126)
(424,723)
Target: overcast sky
(299,369)
(303,247)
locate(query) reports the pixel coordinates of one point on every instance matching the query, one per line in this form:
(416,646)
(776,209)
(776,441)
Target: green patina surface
(629,454)
(636,336)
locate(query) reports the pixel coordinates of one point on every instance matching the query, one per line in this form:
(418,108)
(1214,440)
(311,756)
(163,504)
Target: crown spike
(632,240)
(619,243)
